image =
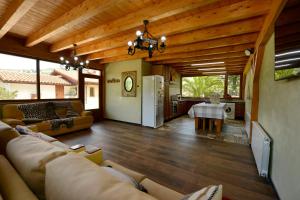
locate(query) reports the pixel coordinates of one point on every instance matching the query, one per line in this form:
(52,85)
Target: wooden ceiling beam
(76,15)
(15,11)
(178,65)
(199,73)
(217,16)
(221,50)
(205,58)
(268,26)
(200,58)
(242,64)
(226,60)
(159,10)
(216,32)
(210,44)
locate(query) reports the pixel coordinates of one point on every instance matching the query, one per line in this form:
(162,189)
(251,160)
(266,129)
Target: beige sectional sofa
(37,169)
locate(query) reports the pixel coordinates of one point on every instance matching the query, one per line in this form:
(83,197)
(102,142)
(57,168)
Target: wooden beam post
(76,15)
(15,11)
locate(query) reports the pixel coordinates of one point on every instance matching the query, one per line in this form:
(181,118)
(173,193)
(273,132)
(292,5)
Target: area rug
(233,130)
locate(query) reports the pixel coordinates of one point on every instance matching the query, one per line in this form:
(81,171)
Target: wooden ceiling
(198,31)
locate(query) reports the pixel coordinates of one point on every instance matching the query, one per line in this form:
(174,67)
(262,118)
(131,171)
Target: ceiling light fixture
(249,51)
(287,53)
(287,60)
(215,68)
(73,62)
(282,66)
(145,41)
(212,63)
(222,72)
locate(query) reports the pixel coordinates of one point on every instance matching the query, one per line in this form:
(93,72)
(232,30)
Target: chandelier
(74,62)
(145,41)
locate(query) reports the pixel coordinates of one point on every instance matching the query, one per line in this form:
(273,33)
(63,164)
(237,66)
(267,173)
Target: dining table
(202,112)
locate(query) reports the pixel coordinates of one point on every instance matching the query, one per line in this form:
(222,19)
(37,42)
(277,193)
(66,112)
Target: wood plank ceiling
(198,31)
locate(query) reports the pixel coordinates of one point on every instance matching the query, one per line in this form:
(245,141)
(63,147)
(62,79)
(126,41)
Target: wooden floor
(182,162)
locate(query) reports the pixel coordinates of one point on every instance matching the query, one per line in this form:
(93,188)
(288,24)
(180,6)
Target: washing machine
(230,111)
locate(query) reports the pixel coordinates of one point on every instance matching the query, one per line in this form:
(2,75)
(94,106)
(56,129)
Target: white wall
(279,115)
(127,109)
(24,91)
(48,92)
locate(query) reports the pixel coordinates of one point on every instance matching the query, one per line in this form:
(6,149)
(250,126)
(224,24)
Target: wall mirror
(129,84)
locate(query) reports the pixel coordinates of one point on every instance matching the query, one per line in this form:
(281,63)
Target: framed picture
(128,84)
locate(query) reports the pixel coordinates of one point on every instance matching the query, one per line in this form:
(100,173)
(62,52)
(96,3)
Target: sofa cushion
(212,192)
(29,155)
(135,175)
(121,176)
(159,191)
(82,179)
(12,187)
(6,134)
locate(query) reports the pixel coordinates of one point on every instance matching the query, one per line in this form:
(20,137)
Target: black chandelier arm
(131,51)
(161,48)
(146,41)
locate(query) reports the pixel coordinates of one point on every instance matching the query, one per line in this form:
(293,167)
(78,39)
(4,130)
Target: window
(92,99)
(18,78)
(203,86)
(92,92)
(234,86)
(56,82)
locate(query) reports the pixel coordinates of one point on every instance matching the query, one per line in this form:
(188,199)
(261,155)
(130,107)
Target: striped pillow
(211,192)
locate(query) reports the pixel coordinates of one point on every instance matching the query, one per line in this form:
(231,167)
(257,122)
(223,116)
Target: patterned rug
(233,130)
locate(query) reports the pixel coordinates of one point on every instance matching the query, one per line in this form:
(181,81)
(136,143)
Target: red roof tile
(30,78)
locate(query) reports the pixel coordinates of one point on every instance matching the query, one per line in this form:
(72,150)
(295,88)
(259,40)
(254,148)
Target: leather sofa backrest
(74,177)
(29,155)
(6,134)
(11,111)
(12,186)
(77,106)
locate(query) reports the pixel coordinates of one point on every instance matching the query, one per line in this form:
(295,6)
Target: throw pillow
(212,192)
(23,130)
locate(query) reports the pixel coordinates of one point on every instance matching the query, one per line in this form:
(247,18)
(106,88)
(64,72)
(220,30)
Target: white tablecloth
(206,110)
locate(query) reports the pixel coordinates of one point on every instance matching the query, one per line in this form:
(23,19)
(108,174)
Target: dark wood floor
(182,162)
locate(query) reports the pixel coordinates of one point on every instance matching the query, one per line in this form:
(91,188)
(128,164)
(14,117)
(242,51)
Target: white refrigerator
(153,101)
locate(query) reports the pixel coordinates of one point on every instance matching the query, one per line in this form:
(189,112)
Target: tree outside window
(203,86)
(234,85)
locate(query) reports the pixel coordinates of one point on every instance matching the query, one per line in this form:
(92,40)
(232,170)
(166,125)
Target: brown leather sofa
(12,115)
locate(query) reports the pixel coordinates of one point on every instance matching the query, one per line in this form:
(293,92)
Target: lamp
(249,51)
(73,62)
(145,41)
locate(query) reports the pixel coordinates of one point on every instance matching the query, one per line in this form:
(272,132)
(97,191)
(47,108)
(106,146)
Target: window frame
(38,82)
(225,87)
(241,84)
(61,99)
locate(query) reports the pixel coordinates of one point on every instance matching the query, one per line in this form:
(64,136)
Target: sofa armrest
(86,113)
(13,122)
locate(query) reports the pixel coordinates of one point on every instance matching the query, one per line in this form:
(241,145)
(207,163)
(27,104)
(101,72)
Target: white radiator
(247,123)
(261,149)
